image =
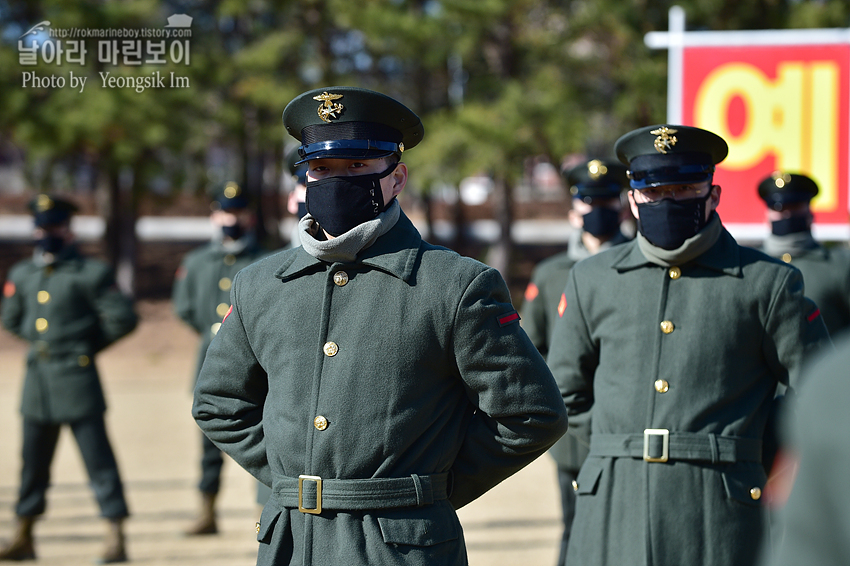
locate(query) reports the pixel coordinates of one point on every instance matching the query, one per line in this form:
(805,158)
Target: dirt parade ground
(147,379)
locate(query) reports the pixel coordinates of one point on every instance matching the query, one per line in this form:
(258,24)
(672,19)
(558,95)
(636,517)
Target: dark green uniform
(375,381)
(826,273)
(406,363)
(816,519)
(68,310)
(678,347)
(201,298)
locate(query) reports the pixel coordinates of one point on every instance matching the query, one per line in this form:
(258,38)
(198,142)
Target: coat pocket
(427,526)
(270,517)
(745,486)
(588,477)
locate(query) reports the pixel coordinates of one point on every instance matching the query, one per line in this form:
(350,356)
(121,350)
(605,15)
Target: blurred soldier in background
(596,187)
(826,271)
(69,309)
(816,518)
(677,340)
(201,297)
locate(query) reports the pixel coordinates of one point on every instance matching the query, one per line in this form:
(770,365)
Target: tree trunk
(499,255)
(120,235)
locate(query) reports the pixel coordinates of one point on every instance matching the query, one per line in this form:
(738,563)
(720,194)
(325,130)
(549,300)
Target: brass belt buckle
(665,444)
(318,508)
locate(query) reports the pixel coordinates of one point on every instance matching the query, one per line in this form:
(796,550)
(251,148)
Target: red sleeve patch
(531,292)
(9,289)
(181,272)
(504,320)
(814,315)
(562,305)
(230,310)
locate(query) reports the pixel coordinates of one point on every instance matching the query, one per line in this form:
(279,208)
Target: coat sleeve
(12,312)
(573,354)
(519,413)
(230,393)
(794,329)
(181,294)
(534,314)
(115,311)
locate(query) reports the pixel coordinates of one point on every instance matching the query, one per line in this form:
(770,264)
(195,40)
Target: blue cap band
(305,151)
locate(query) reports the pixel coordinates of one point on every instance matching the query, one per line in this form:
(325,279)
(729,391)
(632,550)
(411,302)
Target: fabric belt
(661,445)
(311,494)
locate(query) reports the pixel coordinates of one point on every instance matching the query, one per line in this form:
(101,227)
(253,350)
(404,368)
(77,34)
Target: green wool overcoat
(696,350)
(201,292)
(826,273)
(68,311)
(408,360)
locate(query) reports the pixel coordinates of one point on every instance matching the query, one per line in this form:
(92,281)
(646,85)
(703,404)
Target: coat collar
(724,256)
(395,252)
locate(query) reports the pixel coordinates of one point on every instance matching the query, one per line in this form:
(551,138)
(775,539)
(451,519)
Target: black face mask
(667,223)
(302,209)
(51,244)
(601,221)
(791,225)
(340,203)
(233,232)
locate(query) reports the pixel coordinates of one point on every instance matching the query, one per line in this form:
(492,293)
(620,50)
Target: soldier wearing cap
(201,298)
(826,271)
(69,309)
(677,340)
(375,381)
(596,187)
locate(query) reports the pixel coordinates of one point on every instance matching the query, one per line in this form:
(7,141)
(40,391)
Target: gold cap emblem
(780,179)
(328,109)
(44,203)
(596,169)
(232,190)
(665,141)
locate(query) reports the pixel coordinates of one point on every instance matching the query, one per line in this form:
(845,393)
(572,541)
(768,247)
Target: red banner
(784,107)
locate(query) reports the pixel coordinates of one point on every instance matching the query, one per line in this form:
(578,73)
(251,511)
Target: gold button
(575,485)
(83,361)
(786,257)
(667,327)
(41,325)
(341,278)
(230,259)
(675,273)
(320,422)
(225,283)
(755,493)
(662,386)
(258,527)
(214,328)
(330,349)
(222,309)
(43,297)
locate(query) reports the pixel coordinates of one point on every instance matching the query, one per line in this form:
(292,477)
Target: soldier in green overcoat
(596,187)
(677,340)
(826,271)
(816,518)
(201,298)
(68,308)
(375,381)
